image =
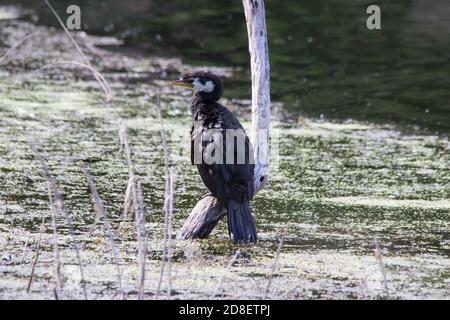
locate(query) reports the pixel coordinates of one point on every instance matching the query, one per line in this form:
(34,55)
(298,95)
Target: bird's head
(204,84)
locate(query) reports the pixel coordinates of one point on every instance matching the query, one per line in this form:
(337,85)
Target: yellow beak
(182,83)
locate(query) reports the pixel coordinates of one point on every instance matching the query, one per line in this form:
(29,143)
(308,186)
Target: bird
(222,152)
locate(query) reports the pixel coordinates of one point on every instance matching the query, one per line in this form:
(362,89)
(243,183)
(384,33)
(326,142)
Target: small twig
(275,264)
(222,279)
(101,213)
(36,256)
(379,257)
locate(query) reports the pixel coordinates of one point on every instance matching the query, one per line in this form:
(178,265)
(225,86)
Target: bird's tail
(241,223)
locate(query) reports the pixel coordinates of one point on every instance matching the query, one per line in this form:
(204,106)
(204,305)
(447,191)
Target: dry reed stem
(142,241)
(101,213)
(25,248)
(102,83)
(168,206)
(14,47)
(169,234)
(56,254)
(379,257)
(167,250)
(275,264)
(60,202)
(222,279)
(36,255)
(163,132)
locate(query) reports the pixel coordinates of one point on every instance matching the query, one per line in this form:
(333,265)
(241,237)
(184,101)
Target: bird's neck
(204,98)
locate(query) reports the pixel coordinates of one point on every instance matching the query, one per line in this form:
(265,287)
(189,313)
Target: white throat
(199,87)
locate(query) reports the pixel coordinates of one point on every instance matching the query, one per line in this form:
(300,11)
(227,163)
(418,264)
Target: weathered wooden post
(208,211)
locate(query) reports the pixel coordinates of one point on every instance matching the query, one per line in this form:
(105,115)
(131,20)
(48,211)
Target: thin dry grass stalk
(167,250)
(134,198)
(275,264)
(102,82)
(55,210)
(142,241)
(36,255)
(379,256)
(222,279)
(14,47)
(101,213)
(59,200)
(168,206)
(163,133)
(25,248)
(169,233)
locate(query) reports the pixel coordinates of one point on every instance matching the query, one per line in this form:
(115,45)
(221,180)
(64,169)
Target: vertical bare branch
(260,67)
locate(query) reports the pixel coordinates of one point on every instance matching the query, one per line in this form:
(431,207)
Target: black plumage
(231,179)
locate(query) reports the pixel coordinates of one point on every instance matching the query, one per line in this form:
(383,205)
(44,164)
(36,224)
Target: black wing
(230,178)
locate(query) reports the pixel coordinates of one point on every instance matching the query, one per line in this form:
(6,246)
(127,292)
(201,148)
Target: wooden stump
(203,218)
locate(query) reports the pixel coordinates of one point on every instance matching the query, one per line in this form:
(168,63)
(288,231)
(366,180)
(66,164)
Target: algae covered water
(338,188)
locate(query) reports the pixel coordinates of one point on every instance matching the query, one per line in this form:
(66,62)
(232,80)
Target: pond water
(336,187)
(324,61)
